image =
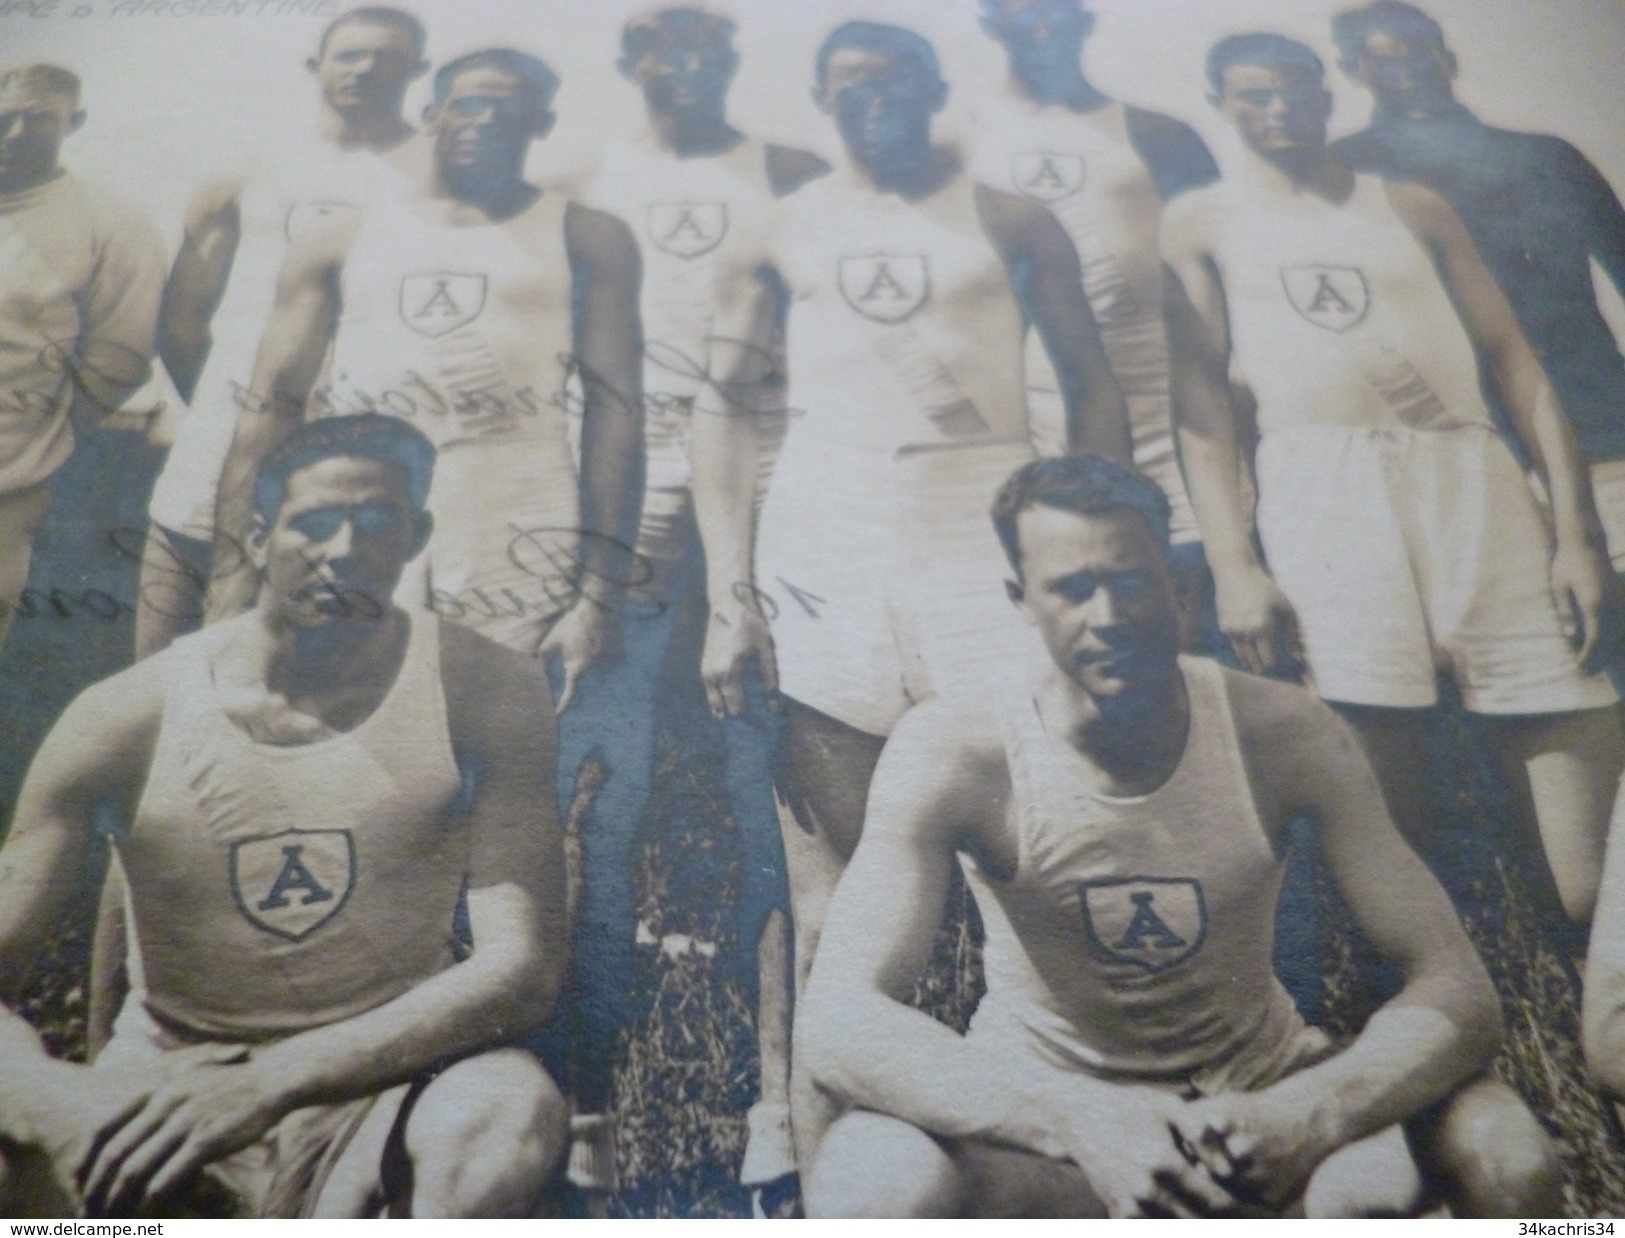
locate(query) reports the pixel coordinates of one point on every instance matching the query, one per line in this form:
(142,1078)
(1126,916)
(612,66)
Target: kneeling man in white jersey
(345,884)
(1402,539)
(1121,817)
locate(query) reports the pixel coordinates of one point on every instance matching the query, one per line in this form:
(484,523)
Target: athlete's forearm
(724,458)
(1548,437)
(497,996)
(612,471)
(878,1054)
(1408,1057)
(1211,460)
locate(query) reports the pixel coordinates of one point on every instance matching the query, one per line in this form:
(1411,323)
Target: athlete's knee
(869,1165)
(486,1137)
(1374,1177)
(1490,1156)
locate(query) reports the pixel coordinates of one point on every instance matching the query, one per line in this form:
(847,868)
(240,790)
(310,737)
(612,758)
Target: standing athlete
(1401,537)
(221,287)
(862,587)
(1121,817)
(81,272)
(466,308)
(317,792)
(1104,170)
(1537,209)
(693,189)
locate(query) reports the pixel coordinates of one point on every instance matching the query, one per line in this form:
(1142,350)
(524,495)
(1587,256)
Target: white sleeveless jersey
(1136,935)
(281,888)
(1085,170)
(904,333)
(464,331)
(689,217)
(285,194)
(1337,313)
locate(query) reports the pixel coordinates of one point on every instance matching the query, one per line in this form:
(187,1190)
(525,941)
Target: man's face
(486,123)
(1406,78)
(1279,110)
(366,67)
(336,549)
(682,77)
(33,126)
(1098,589)
(1040,35)
(882,104)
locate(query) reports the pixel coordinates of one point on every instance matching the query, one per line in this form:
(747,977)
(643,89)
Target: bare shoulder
(1009,212)
(947,757)
(491,690)
(1292,741)
(1187,220)
(112,726)
(597,235)
(789,168)
(1420,207)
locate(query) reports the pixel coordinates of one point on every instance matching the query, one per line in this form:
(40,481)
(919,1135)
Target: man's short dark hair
(368,436)
(683,26)
(1270,51)
(534,72)
(1351,29)
(883,40)
(47,79)
(1086,485)
(378,15)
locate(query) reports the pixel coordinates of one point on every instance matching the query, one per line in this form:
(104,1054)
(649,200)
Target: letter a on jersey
(1047,176)
(292,883)
(1332,297)
(688,229)
(886,287)
(1152,923)
(442,302)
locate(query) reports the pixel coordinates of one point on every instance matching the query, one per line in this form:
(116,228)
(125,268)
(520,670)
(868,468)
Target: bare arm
(197,282)
(1252,612)
(1043,267)
(503,733)
(1582,580)
(97,752)
(606,272)
(933,787)
(303,320)
(740,383)
(1439,1030)
(1602,1021)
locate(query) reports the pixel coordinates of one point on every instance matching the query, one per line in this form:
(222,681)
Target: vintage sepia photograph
(812,608)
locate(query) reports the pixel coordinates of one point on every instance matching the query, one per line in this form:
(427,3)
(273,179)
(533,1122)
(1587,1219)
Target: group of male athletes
(938,471)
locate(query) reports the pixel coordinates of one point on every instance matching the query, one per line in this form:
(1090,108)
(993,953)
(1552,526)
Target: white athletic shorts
(1410,552)
(884,580)
(1382,1160)
(299,1168)
(184,494)
(1608,488)
(504,556)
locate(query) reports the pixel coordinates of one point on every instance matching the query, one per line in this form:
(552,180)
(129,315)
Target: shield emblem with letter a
(292,883)
(1153,923)
(439,303)
(1335,298)
(307,217)
(688,229)
(886,287)
(1047,176)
